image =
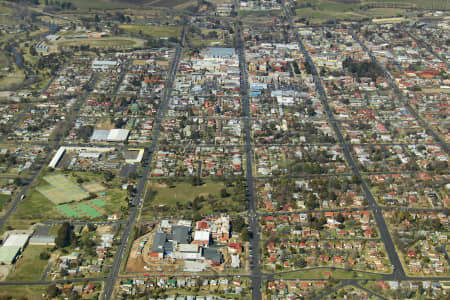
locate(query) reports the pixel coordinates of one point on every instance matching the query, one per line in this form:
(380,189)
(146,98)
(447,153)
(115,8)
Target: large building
(12,247)
(113,135)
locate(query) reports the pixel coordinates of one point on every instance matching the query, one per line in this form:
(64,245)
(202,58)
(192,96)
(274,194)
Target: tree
(65,236)
(196,181)
(130,189)
(91,227)
(301,263)
(33,51)
(355,179)
(340,218)
(44,256)
(224,193)
(245,234)
(52,291)
(18,181)
(84,132)
(237,224)
(108,175)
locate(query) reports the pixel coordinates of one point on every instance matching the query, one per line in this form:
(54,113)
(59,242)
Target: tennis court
(61,190)
(93,187)
(87,209)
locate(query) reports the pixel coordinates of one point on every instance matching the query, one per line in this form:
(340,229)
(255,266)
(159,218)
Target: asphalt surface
(49,266)
(255,259)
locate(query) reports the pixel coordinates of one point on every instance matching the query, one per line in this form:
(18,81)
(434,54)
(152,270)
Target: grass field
(113,42)
(62,190)
(4,9)
(31,292)
(85,5)
(319,274)
(36,207)
(154,31)
(177,197)
(13,78)
(3,199)
(29,267)
(103,4)
(4,60)
(87,209)
(421,4)
(319,11)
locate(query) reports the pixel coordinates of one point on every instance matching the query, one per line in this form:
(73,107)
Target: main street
(255,259)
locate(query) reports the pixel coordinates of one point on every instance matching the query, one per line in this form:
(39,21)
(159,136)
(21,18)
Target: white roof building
(104,64)
(201,236)
(59,154)
(17,240)
(188,248)
(118,135)
(113,135)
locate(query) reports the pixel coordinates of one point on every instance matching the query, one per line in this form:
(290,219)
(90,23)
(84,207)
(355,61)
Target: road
(49,266)
(140,188)
(255,259)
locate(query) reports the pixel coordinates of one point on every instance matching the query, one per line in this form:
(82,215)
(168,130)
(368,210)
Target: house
(235,248)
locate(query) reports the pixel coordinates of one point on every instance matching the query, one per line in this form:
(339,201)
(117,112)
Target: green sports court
(87,209)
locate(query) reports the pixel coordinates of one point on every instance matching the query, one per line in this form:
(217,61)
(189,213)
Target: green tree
(340,218)
(245,234)
(224,193)
(65,236)
(52,291)
(301,263)
(196,181)
(355,179)
(237,224)
(108,175)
